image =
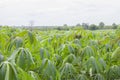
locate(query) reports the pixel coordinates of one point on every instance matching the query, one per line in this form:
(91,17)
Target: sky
(58,12)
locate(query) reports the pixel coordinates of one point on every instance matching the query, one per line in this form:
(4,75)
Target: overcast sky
(59,12)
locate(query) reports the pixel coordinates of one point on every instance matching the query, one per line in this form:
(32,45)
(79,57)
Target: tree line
(100,26)
(87,26)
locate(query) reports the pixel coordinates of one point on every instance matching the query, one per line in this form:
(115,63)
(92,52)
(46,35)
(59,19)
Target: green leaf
(67,71)
(23,58)
(116,55)
(8,71)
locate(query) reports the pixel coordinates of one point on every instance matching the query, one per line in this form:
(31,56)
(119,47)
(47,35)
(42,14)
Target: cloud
(50,12)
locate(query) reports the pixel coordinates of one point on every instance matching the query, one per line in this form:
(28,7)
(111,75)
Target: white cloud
(50,12)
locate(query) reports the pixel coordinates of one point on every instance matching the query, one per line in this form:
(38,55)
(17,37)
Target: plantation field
(75,54)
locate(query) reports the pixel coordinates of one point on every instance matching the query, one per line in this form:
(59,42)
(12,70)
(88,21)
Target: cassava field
(75,54)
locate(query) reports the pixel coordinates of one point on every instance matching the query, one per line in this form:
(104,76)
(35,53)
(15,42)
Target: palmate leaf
(23,58)
(67,72)
(57,60)
(34,75)
(1,57)
(44,53)
(102,63)
(66,49)
(8,71)
(22,75)
(108,47)
(77,42)
(31,37)
(69,59)
(113,73)
(82,77)
(71,48)
(61,48)
(92,65)
(93,43)
(116,55)
(48,71)
(99,77)
(87,52)
(16,42)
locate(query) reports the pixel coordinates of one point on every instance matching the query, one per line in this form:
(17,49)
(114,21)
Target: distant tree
(59,28)
(114,26)
(85,25)
(93,27)
(101,25)
(65,25)
(31,23)
(78,24)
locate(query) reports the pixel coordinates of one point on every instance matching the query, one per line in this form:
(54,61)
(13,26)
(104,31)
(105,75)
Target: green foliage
(82,77)
(67,71)
(16,42)
(47,70)
(113,73)
(22,56)
(1,58)
(8,71)
(87,52)
(116,55)
(75,54)
(93,27)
